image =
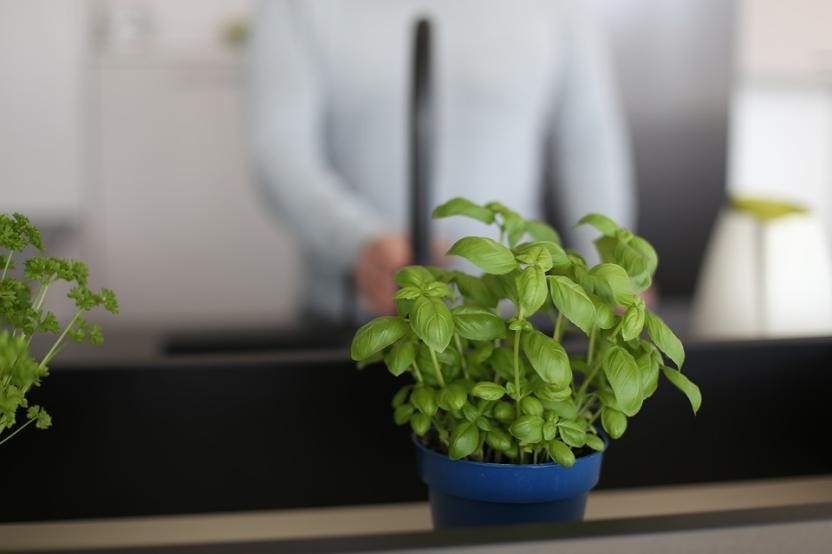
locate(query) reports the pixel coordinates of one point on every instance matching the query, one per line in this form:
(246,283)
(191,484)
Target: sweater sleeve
(287,99)
(591,144)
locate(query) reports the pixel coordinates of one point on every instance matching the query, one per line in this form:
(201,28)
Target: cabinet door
(41,61)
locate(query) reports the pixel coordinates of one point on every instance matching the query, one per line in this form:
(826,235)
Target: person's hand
(377,263)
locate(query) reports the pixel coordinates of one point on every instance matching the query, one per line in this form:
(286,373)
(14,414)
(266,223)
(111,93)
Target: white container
(765,277)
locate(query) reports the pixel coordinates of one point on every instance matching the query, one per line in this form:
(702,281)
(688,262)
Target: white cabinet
(177,227)
(41,87)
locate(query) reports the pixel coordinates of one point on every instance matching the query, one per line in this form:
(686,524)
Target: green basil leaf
(552,393)
(601,222)
(401,356)
(414,276)
(665,339)
(461,206)
(401,396)
(550,430)
(614,422)
(560,453)
(470,412)
(376,335)
(502,362)
(483,423)
(535,254)
(604,315)
(457,395)
(464,440)
(595,442)
(420,423)
(478,324)
(424,399)
(531,287)
(648,367)
(504,412)
(531,406)
(548,358)
(488,391)
(528,429)
(633,323)
(487,254)
(432,322)
(572,432)
(566,409)
(515,228)
(539,230)
(622,373)
(401,414)
(615,278)
(474,291)
(408,293)
(681,382)
(437,289)
(571,300)
(498,440)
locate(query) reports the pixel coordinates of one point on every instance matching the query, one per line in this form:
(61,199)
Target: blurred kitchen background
(123,135)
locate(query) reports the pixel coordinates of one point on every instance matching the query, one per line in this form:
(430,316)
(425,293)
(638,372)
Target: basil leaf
(420,423)
(498,440)
(401,396)
(531,406)
(604,316)
(478,324)
(531,287)
(453,397)
(437,289)
(560,453)
(432,322)
(464,440)
(665,339)
(615,278)
(414,276)
(539,230)
(550,429)
(595,442)
(461,206)
(572,432)
(515,228)
(571,300)
(488,390)
(614,422)
(552,393)
(601,222)
(376,335)
(548,358)
(401,414)
(487,254)
(504,412)
(400,357)
(475,291)
(528,429)
(681,382)
(622,373)
(424,400)
(566,409)
(648,367)
(483,423)
(633,323)
(534,253)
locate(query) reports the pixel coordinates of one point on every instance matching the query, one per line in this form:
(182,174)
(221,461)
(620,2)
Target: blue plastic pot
(476,494)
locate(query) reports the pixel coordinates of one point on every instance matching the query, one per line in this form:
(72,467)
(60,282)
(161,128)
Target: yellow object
(766,210)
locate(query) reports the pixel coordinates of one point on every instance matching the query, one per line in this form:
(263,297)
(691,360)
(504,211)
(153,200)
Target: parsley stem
(52,351)
(437,368)
(5,270)
(19,429)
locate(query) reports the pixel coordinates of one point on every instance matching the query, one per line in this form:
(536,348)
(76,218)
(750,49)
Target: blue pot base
(453,511)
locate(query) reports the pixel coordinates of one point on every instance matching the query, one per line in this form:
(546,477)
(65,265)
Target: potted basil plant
(510,426)
(24,314)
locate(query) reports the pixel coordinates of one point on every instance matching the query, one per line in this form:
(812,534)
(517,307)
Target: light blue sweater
(329,82)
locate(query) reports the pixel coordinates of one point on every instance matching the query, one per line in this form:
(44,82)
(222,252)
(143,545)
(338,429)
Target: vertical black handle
(421,138)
